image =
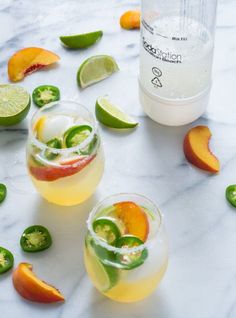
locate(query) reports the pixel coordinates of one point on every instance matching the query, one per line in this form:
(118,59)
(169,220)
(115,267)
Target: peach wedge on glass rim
(29,60)
(134,218)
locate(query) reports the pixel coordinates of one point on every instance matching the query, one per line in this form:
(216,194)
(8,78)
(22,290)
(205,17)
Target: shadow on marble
(168,139)
(43,308)
(6,276)
(155,306)
(67,224)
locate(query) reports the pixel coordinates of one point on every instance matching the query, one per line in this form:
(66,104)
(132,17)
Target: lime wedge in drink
(81,41)
(111,116)
(103,276)
(95,69)
(14,104)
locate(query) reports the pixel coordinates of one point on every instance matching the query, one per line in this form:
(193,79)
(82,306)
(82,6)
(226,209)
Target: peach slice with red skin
(29,60)
(196,149)
(52,173)
(134,219)
(32,288)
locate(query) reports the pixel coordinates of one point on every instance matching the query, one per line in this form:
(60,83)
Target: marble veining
(201,278)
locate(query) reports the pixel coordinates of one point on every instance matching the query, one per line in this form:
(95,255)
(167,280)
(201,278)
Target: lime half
(112,116)
(81,41)
(95,69)
(14,104)
(104,277)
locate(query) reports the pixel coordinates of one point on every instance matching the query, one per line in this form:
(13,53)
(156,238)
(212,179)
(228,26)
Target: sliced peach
(32,288)
(52,173)
(134,219)
(196,149)
(29,60)
(130,20)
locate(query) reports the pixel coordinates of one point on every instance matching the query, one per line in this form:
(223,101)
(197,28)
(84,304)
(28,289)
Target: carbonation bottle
(176,52)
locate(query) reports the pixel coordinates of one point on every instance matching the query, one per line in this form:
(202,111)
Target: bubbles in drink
(181,49)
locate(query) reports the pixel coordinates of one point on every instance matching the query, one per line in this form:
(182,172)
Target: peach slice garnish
(196,149)
(29,60)
(67,168)
(134,219)
(32,288)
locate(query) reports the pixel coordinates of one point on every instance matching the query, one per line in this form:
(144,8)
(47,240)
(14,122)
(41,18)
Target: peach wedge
(196,149)
(130,20)
(29,60)
(32,288)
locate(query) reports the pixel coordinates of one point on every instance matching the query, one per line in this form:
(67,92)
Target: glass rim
(45,147)
(122,250)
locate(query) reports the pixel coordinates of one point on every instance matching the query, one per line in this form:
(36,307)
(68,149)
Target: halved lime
(103,276)
(112,116)
(95,69)
(14,104)
(81,41)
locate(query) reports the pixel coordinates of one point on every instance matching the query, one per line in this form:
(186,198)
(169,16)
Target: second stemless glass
(66,176)
(126,274)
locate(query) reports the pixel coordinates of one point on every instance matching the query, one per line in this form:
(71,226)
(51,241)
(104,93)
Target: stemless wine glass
(126,249)
(64,153)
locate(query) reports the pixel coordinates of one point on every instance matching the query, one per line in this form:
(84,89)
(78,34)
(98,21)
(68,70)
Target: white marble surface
(201,278)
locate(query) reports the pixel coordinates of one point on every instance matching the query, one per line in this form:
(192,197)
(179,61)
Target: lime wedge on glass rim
(81,41)
(95,69)
(112,116)
(14,104)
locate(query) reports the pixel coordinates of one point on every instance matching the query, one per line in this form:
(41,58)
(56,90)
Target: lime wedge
(111,116)
(103,276)
(81,41)
(14,104)
(95,69)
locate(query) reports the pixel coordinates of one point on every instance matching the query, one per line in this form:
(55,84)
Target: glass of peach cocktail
(64,153)
(126,251)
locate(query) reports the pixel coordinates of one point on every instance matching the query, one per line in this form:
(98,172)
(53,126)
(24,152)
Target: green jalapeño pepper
(91,147)
(131,260)
(107,230)
(35,238)
(53,143)
(3,192)
(45,94)
(230,194)
(105,256)
(6,260)
(76,135)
